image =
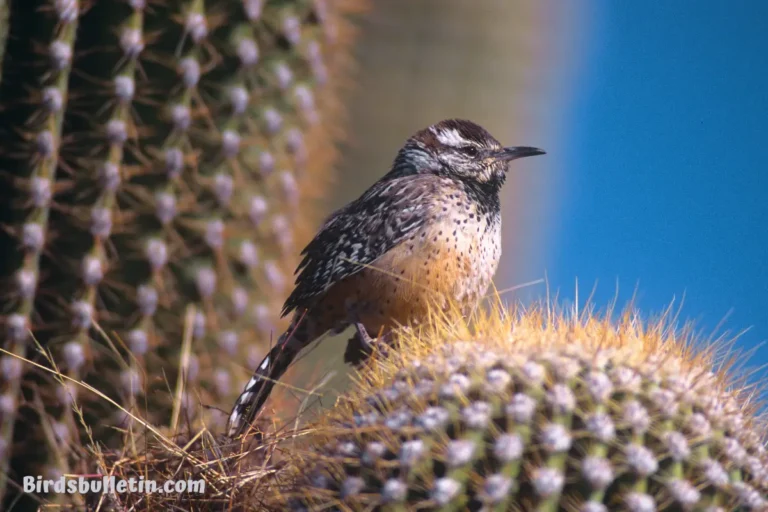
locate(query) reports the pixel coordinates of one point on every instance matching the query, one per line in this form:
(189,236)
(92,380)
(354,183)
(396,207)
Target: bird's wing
(358,234)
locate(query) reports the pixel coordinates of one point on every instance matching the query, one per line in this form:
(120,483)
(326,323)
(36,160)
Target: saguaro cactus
(155,155)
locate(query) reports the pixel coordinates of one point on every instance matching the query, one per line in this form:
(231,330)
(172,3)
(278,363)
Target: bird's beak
(513,153)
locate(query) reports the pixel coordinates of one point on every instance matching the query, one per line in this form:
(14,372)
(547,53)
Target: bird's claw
(361,345)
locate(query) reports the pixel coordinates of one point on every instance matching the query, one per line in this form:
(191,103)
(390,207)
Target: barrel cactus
(531,414)
(158,159)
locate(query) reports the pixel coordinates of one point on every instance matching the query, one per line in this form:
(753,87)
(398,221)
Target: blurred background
(654,118)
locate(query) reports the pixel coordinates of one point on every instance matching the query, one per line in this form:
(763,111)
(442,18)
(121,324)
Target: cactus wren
(430,229)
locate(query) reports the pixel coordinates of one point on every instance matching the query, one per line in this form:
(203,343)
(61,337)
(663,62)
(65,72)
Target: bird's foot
(361,345)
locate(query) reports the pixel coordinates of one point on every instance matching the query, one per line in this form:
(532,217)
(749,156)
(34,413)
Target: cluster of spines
(106,172)
(165,159)
(37,188)
(552,431)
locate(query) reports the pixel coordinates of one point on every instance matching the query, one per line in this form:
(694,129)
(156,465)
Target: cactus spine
(569,416)
(156,156)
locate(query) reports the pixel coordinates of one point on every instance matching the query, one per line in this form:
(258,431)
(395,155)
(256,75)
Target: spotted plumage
(426,232)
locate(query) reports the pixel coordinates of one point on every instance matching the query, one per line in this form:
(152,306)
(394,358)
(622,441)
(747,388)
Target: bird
(426,234)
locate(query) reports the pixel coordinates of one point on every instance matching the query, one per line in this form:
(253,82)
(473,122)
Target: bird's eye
(469,150)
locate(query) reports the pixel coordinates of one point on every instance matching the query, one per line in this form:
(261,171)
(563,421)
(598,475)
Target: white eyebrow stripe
(451,137)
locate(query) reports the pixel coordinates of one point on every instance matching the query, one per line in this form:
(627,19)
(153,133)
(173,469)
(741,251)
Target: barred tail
(272,367)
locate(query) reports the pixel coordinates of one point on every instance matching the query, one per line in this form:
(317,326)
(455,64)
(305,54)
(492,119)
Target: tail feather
(259,387)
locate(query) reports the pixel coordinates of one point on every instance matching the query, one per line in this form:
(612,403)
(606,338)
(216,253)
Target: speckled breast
(451,259)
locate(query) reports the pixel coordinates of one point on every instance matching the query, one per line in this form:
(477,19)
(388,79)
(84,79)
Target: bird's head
(459,149)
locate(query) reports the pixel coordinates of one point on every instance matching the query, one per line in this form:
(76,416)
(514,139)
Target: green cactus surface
(585,416)
(159,162)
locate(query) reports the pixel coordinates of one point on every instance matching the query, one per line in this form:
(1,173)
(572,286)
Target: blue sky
(664,179)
